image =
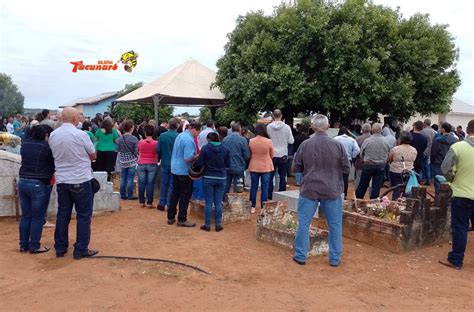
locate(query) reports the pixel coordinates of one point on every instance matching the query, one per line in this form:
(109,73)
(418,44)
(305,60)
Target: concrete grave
(421,223)
(292,198)
(236,208)
(104,201)
(277,225)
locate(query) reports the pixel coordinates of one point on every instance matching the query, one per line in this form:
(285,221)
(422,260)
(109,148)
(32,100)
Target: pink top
(261,150)
(147,152)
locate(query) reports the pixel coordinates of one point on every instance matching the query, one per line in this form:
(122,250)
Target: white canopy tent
(186,85)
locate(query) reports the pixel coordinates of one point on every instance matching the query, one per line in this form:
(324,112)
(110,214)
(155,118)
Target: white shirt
(10,128)
(71,149)
(202,138)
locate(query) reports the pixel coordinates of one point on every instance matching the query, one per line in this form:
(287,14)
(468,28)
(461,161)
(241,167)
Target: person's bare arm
(390,157)
(93,156)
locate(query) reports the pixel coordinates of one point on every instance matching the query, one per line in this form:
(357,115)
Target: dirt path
(247,275)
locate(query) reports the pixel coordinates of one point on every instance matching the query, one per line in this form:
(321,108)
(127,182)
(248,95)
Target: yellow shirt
(463,183)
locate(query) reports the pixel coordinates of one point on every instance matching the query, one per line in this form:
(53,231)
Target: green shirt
(106,142)
(90,134)
(164,147)
(460,160)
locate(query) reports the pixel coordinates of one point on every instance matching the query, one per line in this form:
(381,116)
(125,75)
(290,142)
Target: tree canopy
(354,59)
(11,99)
(137,112)
(225,115)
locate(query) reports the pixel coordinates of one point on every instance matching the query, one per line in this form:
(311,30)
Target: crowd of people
(216,157)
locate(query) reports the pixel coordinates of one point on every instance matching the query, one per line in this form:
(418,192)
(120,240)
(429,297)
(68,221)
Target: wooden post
(156,102)
(213,110)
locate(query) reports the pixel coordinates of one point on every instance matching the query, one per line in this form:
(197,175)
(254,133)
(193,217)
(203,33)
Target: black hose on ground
(154,260)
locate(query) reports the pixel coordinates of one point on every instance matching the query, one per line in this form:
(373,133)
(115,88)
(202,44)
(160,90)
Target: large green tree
(137,112)
(354,59)
(225,115)
(11,99)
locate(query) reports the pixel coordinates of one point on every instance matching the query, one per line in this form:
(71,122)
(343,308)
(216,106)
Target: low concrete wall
(106,200)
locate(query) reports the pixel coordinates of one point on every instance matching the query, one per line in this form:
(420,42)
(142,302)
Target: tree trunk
(288,115)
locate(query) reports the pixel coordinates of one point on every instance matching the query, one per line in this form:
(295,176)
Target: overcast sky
(38,39)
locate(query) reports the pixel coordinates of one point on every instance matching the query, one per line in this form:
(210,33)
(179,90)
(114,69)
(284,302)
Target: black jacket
(440,148)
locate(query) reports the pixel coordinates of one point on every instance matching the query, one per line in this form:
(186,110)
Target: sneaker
(86,254)
(149,205)
(160,207)
(171,222)
(142,205)
(219,228)
(205,228)
(186,224)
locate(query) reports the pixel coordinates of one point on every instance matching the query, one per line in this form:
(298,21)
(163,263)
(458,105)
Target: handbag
(95,185)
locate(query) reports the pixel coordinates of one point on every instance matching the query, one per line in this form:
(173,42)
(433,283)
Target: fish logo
(129,59)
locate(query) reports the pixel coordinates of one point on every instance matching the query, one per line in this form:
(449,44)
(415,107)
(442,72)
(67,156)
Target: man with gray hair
(323,162)
(374,153)
(281,136)
(427,170)
(366,128)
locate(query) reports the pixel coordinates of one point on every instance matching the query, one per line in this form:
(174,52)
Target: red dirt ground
(246,275)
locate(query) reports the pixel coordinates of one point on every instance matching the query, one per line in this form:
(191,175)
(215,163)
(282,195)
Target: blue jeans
(374,172)
(166,186)
(198,190)
(332,210)
(213,194)
(146,182)
(265,181)
(298,178)
(233,176)
(395,179)
(462,210)
(81,197)
(126,182)
(436,171)
(427,171)
(34,199)
(281,165)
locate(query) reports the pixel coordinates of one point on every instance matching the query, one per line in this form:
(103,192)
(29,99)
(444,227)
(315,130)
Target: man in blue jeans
(281,136)
(323,161)
(73,151)
(164,150)
(239,155)
(458,167)
(374,154)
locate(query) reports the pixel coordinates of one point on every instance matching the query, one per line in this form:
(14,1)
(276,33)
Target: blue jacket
(239,151)
(37,161)
(216,160)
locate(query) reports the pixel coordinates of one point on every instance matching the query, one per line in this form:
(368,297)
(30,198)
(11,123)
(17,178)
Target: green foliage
(185,115)
(129,87)
(354,59)
(204,115)
(225,115)
(11,99)
(137,112)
